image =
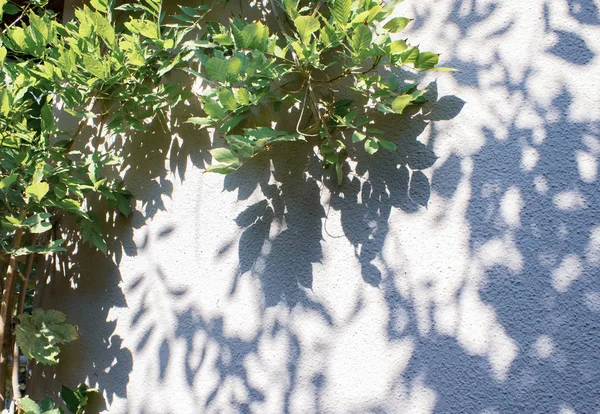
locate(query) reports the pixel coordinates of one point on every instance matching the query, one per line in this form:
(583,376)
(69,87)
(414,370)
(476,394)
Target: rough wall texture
(266,292)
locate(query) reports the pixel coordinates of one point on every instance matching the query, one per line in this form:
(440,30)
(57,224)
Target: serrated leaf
(396,24)
(371,146)
(227,100)
(341,11)
(213,109)
(306,26)
(37,191)
(361,38)
(216,68)
(39,334)
(243,96)
(426,60)
(255,36)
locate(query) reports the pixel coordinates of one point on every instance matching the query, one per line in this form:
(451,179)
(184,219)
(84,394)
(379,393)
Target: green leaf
(409,55)
(371,146)
(291,7)
(77,400)
(2,56)
(39,334)
(243,96)
(99,5)
(255,36)
(213,109)
(47,404)
(396,24)
(361,39)
(37,191)
(234,67)
(400,103)
(341,11)
(388,145)
(224,156)
(306,26)
(358,136)
(28,406)
(231,123)
(200,121)
(216,68)
(426,60)
(94,66)
(227,100)
(38,223)
(8,181)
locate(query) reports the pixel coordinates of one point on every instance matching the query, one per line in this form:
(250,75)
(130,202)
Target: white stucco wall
(263,294)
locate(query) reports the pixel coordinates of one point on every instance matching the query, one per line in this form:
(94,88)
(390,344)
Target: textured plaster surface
(266,292)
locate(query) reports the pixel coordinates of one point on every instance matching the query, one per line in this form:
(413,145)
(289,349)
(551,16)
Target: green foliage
(46,406)
(111,67)
(38,335)
(319,47)
(75,401)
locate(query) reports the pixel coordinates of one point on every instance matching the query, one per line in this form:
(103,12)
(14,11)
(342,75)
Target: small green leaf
(37,191)
(371,146)
(224,156)
(306,26)
(200,121)
(358,136)
(8,181)
(388,145)
(426,60)
(396,24)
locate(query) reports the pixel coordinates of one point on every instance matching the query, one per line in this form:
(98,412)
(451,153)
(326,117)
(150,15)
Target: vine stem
(20,306)
(6,312)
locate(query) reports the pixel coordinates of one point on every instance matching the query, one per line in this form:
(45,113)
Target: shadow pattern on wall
(507,324)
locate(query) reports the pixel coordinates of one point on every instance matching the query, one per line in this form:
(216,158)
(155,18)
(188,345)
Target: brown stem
(20,306)
(6,314)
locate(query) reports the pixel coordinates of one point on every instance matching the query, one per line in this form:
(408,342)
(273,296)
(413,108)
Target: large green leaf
(426,60)
(37,191)
(306,26)
(341,11)
(39,334)
(361,39)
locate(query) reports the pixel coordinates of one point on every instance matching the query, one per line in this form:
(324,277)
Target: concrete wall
(269,292)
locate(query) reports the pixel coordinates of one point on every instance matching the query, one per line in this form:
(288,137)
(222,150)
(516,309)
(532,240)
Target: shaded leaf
(39,334)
